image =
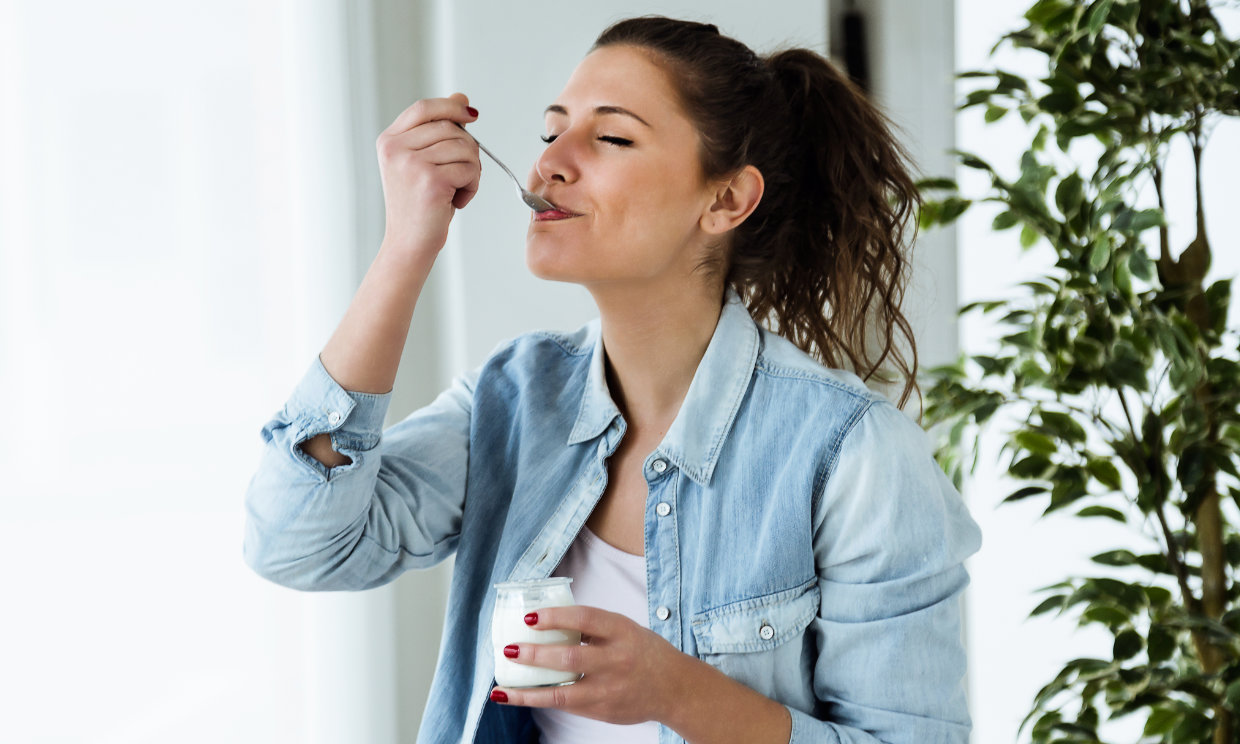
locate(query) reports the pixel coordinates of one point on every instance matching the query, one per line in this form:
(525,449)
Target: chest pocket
(762,641)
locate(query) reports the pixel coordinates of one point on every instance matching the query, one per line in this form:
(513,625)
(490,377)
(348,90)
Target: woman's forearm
(712,708)
(363,354)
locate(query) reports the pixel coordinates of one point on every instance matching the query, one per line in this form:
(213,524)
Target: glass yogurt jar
(513,601)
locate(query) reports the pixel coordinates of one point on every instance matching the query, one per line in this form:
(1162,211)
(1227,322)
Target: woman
(763,550)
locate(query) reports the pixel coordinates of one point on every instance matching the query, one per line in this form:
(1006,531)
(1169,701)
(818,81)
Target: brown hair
(823,254)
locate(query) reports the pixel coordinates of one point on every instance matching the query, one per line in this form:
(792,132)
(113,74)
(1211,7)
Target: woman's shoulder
(837,399)
(538,365)
(782,362)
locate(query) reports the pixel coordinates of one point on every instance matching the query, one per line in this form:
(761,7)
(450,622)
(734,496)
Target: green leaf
(1035,442)
(1098,17)
(1099,254)
(1062,425)
(1115,558)
(1106,473)
(942,184)
(1218,300)
(1028,237)
(1003,221)
(1069,194)
(1157,596)
(1141,265)
(1233,695)
(1156,562)
(1127,645)
(994,113)
(1145,219)
(1039,139)
(1102,511)
(1025,493)
(969,160)
(1059,102)
(1043,11)
(1161,721)
(1110,616)
(1123,278)
(1161,644)
(1048,604)
(1033,466)
(1193,728)
(952,207)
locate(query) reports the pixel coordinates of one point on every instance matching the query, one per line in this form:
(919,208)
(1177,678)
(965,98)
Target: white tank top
(608,578)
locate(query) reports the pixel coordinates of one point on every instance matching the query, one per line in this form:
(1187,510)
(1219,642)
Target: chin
(552,264)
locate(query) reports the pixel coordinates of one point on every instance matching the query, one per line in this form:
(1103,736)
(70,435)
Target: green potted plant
(1116,386)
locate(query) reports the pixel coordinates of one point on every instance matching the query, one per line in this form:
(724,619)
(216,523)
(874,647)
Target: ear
(735,200)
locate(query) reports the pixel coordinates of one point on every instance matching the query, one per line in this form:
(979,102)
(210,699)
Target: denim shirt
(799,535)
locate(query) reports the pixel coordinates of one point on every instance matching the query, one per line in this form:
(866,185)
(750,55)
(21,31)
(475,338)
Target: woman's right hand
(430,168)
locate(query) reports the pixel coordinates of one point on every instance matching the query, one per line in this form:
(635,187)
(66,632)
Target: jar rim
(551,581)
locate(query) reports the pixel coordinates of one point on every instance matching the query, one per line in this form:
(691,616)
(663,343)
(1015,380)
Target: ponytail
(822,259)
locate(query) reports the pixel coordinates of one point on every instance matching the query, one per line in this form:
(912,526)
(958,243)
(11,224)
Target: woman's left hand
(629,671)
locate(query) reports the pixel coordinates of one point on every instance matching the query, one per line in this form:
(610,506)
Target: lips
(554,214)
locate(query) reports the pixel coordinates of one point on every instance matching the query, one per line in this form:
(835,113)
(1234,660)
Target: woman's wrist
(416,255)
(705,705)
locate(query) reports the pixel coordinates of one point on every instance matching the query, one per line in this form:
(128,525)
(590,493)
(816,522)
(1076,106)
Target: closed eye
(617,141)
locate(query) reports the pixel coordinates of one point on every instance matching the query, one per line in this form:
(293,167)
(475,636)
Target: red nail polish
(511,651)
(472,111)
(499,696)
(531,619)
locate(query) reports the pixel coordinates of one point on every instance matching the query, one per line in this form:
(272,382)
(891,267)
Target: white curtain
(178,235)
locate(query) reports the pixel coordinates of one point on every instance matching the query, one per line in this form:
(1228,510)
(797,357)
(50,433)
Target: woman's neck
(654,342)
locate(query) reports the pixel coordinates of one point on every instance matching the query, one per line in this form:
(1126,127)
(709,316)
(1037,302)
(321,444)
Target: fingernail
(511,651)
(498,696)
(531,619)
(472,111)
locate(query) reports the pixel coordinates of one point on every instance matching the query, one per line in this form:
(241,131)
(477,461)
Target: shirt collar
(696,436)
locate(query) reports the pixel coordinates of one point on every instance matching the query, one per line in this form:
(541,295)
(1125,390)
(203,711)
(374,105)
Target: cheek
(654,204)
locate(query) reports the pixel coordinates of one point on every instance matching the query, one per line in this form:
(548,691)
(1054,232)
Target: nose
(558,163)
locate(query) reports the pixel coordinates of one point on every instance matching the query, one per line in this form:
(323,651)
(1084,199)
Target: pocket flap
(757,624)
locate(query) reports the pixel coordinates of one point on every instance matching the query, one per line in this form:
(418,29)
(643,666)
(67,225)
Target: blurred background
(188,197)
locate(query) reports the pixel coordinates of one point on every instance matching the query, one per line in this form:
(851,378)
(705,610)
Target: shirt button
(662,613)
(333,418)
(659,465)
(766,632)
(663,509)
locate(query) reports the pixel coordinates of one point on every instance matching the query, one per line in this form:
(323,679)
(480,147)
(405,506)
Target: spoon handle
(491,155)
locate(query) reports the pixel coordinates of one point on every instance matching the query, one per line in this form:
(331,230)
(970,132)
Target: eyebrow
(598,111)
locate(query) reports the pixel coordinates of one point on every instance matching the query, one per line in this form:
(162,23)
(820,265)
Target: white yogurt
(513,601)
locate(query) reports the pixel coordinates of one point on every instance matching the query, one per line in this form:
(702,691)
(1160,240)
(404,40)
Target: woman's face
(622,162)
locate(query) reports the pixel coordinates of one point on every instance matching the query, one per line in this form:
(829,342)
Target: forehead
(622,75)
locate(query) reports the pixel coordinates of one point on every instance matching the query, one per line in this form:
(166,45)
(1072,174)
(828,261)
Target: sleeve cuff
(808,730)
(319,405)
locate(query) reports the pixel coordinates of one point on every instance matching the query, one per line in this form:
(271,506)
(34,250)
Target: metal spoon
(532,200)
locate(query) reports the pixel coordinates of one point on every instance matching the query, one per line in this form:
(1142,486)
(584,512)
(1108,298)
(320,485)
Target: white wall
(911,72)
(175,225)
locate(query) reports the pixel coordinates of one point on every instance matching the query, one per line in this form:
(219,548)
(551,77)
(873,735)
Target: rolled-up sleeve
(891,537)
(397,505)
